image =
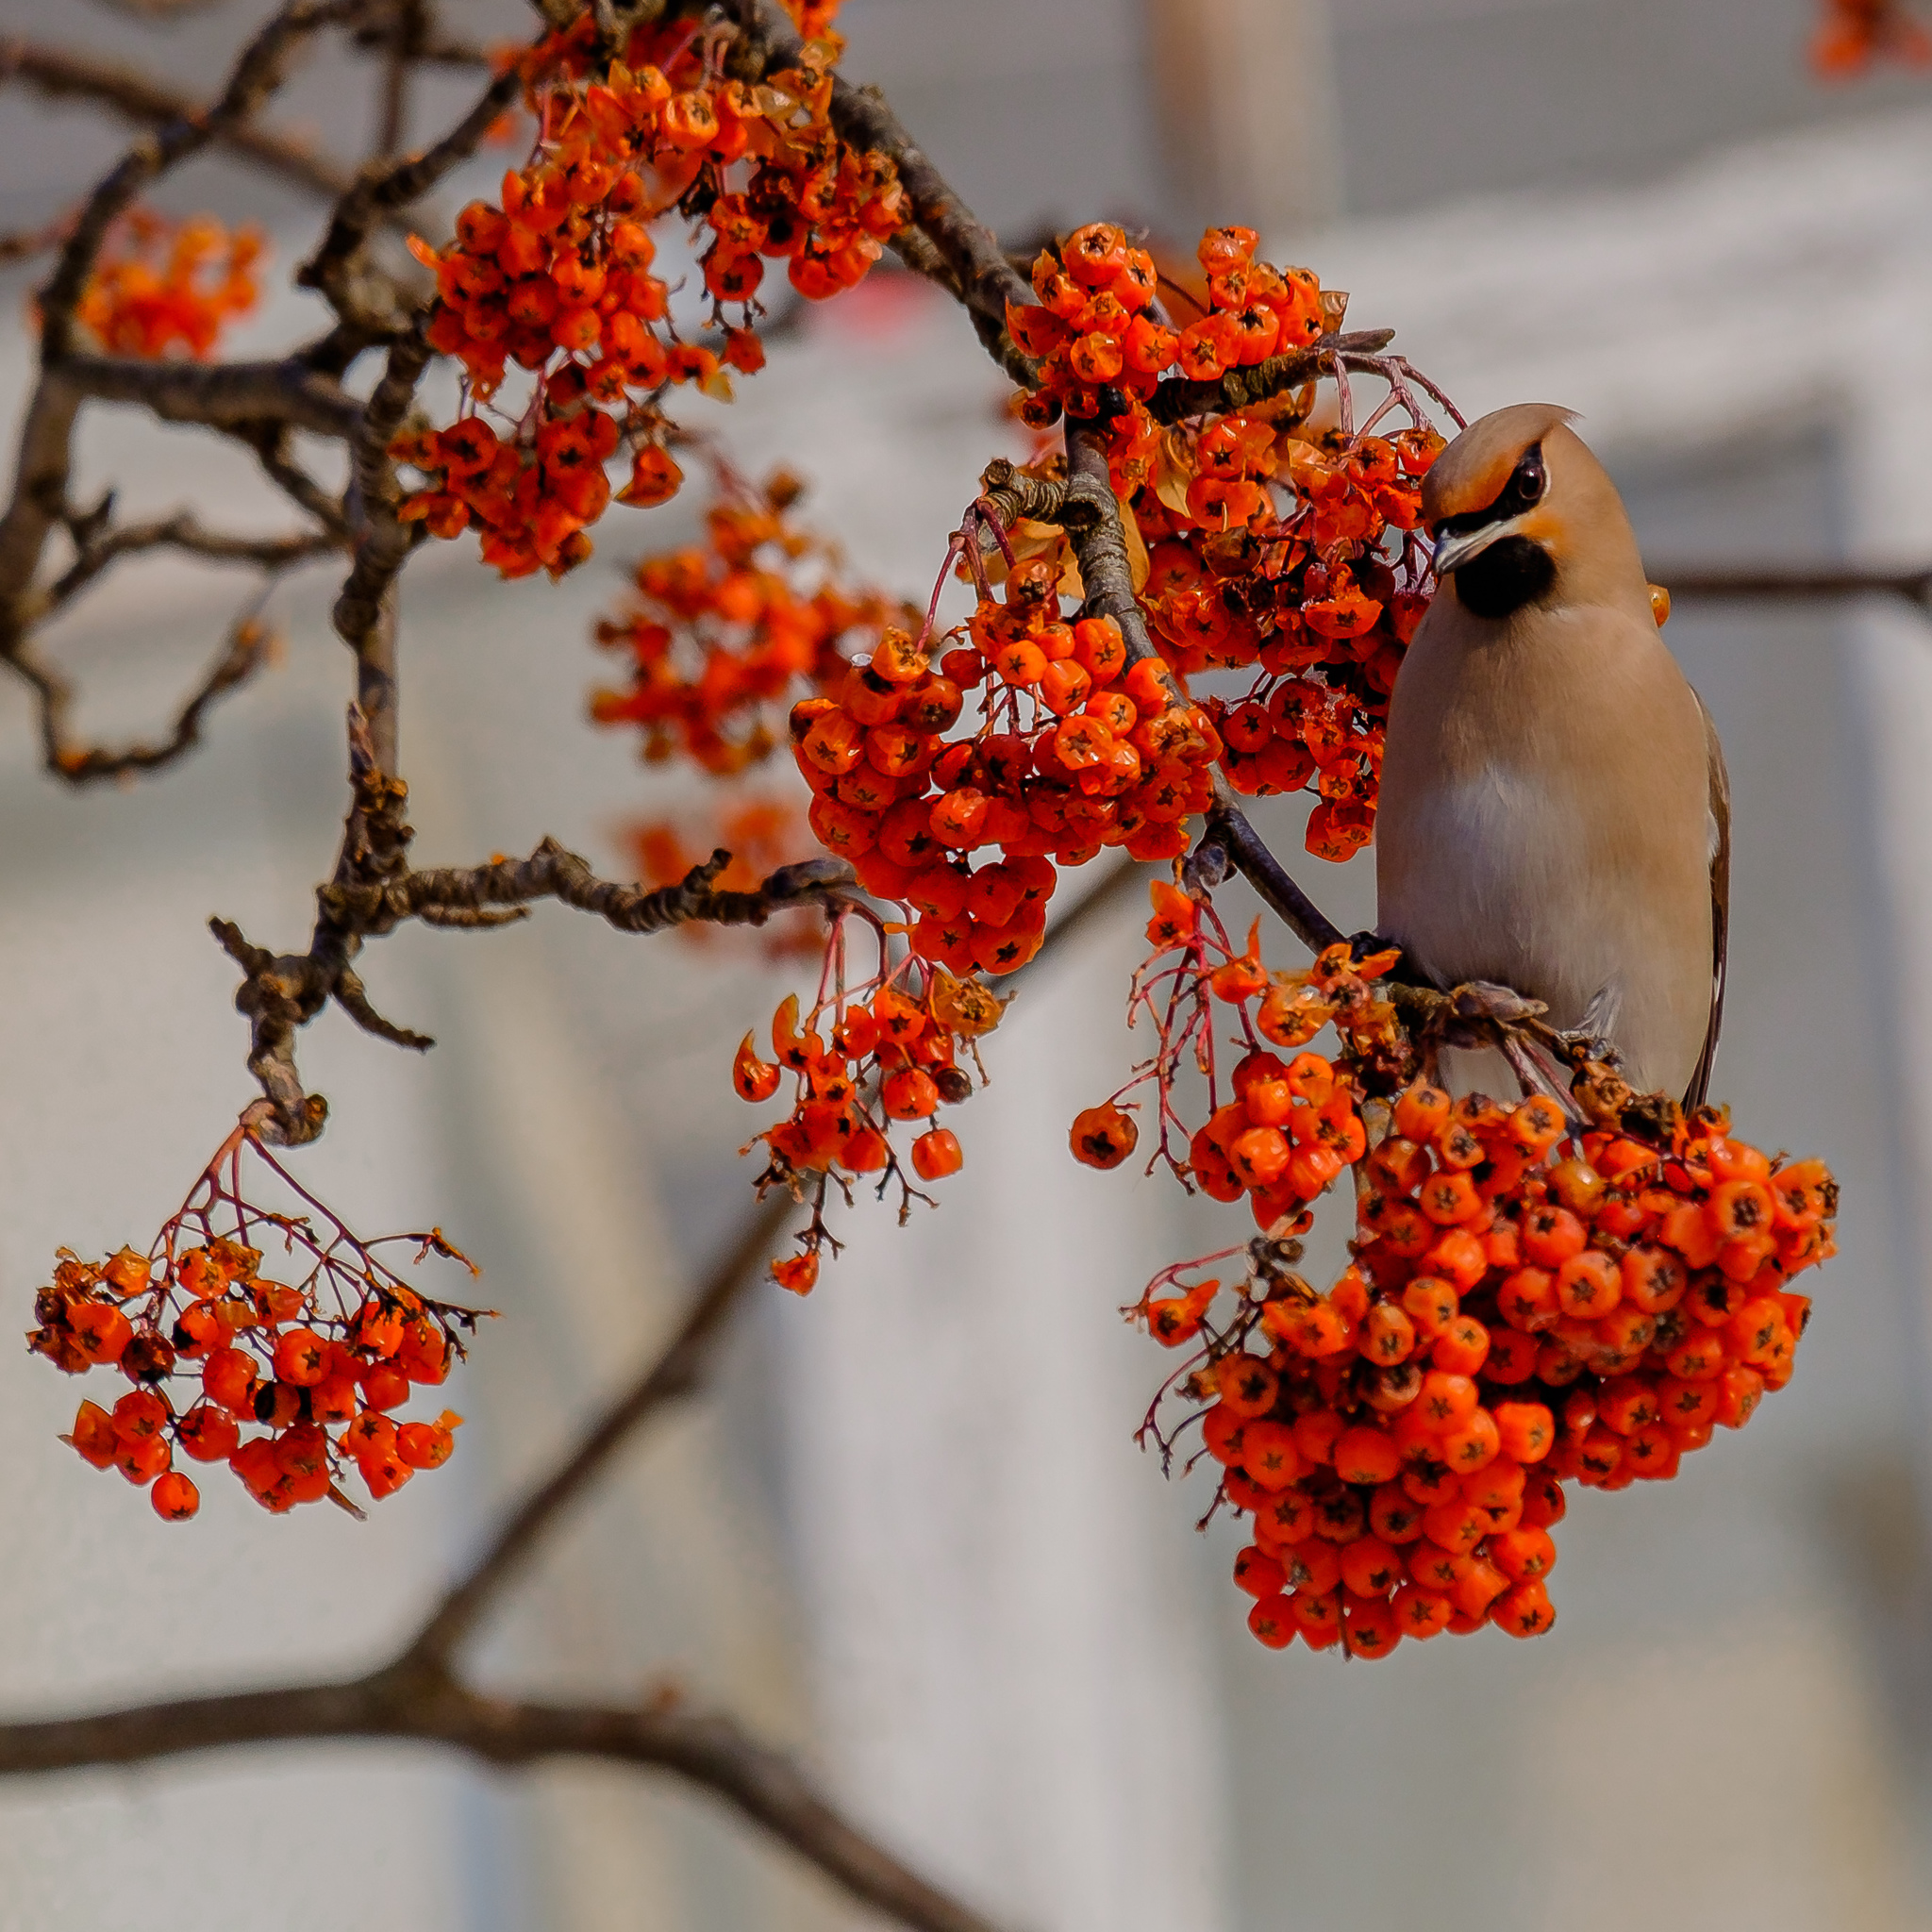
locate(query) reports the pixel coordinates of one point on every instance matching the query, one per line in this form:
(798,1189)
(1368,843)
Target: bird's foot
(1580,1048)
(1480,1012)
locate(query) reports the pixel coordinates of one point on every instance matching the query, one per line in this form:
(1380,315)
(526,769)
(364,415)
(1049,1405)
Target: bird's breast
(1479,876)
(1543,824)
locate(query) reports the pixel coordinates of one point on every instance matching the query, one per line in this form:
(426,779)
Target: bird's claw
(1579,1047)
(1485,999)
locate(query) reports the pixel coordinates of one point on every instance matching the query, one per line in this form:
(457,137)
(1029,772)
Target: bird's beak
(1453,551)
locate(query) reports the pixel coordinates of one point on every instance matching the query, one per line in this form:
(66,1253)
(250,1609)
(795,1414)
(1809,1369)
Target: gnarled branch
(184,532)
(705,1748)
(1242,388)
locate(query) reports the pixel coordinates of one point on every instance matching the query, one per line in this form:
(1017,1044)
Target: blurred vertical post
(1245,95)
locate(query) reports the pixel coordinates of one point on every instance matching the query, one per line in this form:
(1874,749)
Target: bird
(1555,811)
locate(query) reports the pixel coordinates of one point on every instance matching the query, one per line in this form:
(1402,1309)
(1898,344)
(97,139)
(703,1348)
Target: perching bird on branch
(1555,813)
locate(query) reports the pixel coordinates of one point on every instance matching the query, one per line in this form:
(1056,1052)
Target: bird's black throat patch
(1512,572)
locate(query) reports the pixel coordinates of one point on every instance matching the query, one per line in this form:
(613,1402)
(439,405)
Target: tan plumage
(1555,813)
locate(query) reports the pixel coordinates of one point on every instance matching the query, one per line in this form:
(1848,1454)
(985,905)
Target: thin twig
(184,532)
(1769,584)
(385,186)
(375,889)
(63,73)
(403,46)
(246,650)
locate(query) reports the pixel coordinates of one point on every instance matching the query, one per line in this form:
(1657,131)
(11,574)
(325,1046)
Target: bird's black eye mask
(1525,487)
(1508,571)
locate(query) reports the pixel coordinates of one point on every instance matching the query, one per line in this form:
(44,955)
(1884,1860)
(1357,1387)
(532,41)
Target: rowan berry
(1257,1572)
(1275,1620)
(1103,1136)
(301,1357)
(207,1433)
(1269,1455)
(1420,1613)
(936,1154)
(427,1446)
(140,1458)
(1365,1455)
(1369,1627)
(174,1497)
(93,1434)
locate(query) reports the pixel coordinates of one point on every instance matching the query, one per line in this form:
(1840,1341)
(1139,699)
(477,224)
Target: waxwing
(1555,813)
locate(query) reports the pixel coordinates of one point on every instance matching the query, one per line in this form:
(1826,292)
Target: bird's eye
(1528,480)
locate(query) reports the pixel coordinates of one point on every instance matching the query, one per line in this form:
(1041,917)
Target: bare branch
(704,1748)
(365,612)
(260,69)
(553,873)
(679,1369)
(402,47)
(375,889)
(161,10)
(183,532)
(62,74)
(417,1697)
(246,650)
(384,187)
(674,1373)
(217,395)
(41,491)
(1768,584)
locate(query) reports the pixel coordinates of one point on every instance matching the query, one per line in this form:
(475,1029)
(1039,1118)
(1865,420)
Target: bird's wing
(1720,902)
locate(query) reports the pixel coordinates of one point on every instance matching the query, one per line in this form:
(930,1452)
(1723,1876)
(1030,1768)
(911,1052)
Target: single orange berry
(302,1357)
(799,1273)
(174,1497)
(756,1079)
(937,1155)
(1103,1136)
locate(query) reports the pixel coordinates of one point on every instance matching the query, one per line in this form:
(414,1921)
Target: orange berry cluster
(1854,35)
(890,1052)
(1096,329)
(1073,752)
(556,280)
(160,285)
(1529,1304)
(213,1347)
(724,629)
(1290,1126)
(1303,593)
